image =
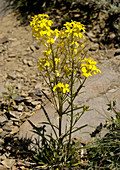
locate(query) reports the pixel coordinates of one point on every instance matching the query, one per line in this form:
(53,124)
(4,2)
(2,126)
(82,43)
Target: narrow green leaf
(46,96)
(37,131)
(74,130)
(74,109)
(49,121)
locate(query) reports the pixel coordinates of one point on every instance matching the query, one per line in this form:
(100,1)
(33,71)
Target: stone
(14,130)
(12,39)
(24,116)
(110,53)
(3,120)
(8,163)
(1,142)
(37,107)
(3,134)
(24,61)
(35,102)
(19,75)
(20,108)
(12,55)
(9,123)
(28,99)
(11,76)
(19,98)
(1,130)
(38,85)
(77,15)
(2,157)
(117,52)
(14,167)
(32,47)
(36,45)
(1,49)
(15,114)
(28,49)
(15,43)
(94,47)
(112,35)
(7,128)
(2,87)
(90,34)
(38,92)
(3,40)
(2,167)
(30,63)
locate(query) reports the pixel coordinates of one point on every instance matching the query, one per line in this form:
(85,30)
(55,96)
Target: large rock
(98,89)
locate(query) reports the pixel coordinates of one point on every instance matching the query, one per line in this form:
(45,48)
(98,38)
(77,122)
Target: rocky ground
(19,55)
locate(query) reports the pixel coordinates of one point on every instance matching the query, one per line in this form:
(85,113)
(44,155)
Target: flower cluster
(41,29)
(69,37)
(61,87)
(63,59)
(89,67)
(43,64)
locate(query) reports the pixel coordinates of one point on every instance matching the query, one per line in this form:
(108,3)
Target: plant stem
(60,125)
(60,118)
(71,103)
(76,93)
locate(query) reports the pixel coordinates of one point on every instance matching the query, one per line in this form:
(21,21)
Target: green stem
(60,119)
(76,93)
(71,103)
(60,124)
(53,58)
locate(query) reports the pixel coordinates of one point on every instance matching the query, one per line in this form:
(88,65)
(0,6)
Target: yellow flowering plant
(62,66)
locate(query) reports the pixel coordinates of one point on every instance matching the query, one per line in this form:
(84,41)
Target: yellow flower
(43,63)
(82,45)
(61,87)
(47,52)
(74,28)
(57,73)
(40,25)
(75,51)
(89,67)
(57,60)
(47,64)
(76,43)
(50,41)
(66,88)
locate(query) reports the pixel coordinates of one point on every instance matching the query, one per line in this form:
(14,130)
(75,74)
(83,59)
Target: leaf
(37,131)
(49,121)
(79,128)
(75,130)
(74,109)
(62,156)
(78,163)
(114,103)
(50,136)
(77,118)
(46,96)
